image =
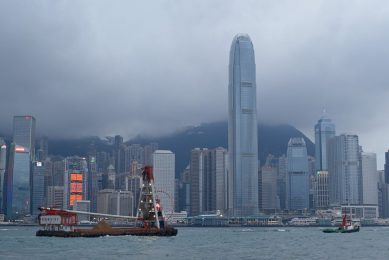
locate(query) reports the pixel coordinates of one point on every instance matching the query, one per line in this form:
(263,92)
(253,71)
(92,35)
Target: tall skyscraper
(344,169)
(24,133)
(164,175)
(386,167)
(369,178)
(75,181)
(297,177)
(3,156)
(242,127)
(37,187)
(324,130)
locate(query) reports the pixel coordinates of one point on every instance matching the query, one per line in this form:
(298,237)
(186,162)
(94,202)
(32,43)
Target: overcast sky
(151,67)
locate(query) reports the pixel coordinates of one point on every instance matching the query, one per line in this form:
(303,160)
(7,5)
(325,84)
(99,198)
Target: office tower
(58,172)
(324,130)
(164,175)
(93,183)
(321,199)
(184,191)
(55,197)
(297,177)
(82,205)
(43,151)
(24,133)
(118,152)
(344,169)
(3,156)
(109,178)
(75,181)
(281,181)
(134,183)
(208,180)
(115,202)
(37,187)
(383,195)
(369,178)
(148,153)
(219,169)
(242,127)
(386,167)
(196,181)
(269,187)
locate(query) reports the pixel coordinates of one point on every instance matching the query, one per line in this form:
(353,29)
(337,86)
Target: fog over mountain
(101,68)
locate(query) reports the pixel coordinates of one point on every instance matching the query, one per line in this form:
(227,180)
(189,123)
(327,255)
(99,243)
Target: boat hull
(341,230)
(167,232)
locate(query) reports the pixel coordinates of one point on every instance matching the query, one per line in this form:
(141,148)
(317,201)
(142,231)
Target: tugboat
(148,222)
(345,227)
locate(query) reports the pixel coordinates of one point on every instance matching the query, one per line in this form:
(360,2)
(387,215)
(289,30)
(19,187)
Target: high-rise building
(321,198)
(24,133)
(164,174)
(344,169)
(242,127)
(369,178)
(37,187)
(82,205)
(324,130)
(281,180)
(148,153)
(297,177)
(386,167)
(3,156)
(269,187)
(93,183)
(55,196)
(43,151)
(75,181)
(21,182)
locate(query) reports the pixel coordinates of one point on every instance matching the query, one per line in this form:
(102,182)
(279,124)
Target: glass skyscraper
(24,133)
(297,177)
(242,127)
(324,130)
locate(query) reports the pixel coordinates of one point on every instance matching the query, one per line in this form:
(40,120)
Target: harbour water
(202,243)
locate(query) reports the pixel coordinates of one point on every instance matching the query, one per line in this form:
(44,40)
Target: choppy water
(202,243)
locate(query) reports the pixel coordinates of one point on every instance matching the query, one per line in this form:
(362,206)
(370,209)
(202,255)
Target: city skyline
(85,51)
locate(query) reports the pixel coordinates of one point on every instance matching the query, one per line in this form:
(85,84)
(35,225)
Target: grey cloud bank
(101,68)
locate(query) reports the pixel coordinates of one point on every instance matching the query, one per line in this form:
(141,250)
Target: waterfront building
(297,177)
(37,187)
(58,172)
(164,175)
(344,170)
(20,181)
(3,157)
(242,127)
(324,130)
(369,178)
(75,181)
(321,198)
(109,176)
(134,183)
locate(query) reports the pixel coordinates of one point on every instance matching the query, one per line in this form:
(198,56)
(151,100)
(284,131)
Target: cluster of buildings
(216,181)
(30,178)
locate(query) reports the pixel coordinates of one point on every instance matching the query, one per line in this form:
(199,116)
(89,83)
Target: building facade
(164,178)
(324,130)
(242,127)
(369,178)
(75,181)
(344,169)
(297,177)
(37,187)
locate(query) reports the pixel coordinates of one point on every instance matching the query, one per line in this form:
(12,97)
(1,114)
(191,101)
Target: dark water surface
(202,243)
